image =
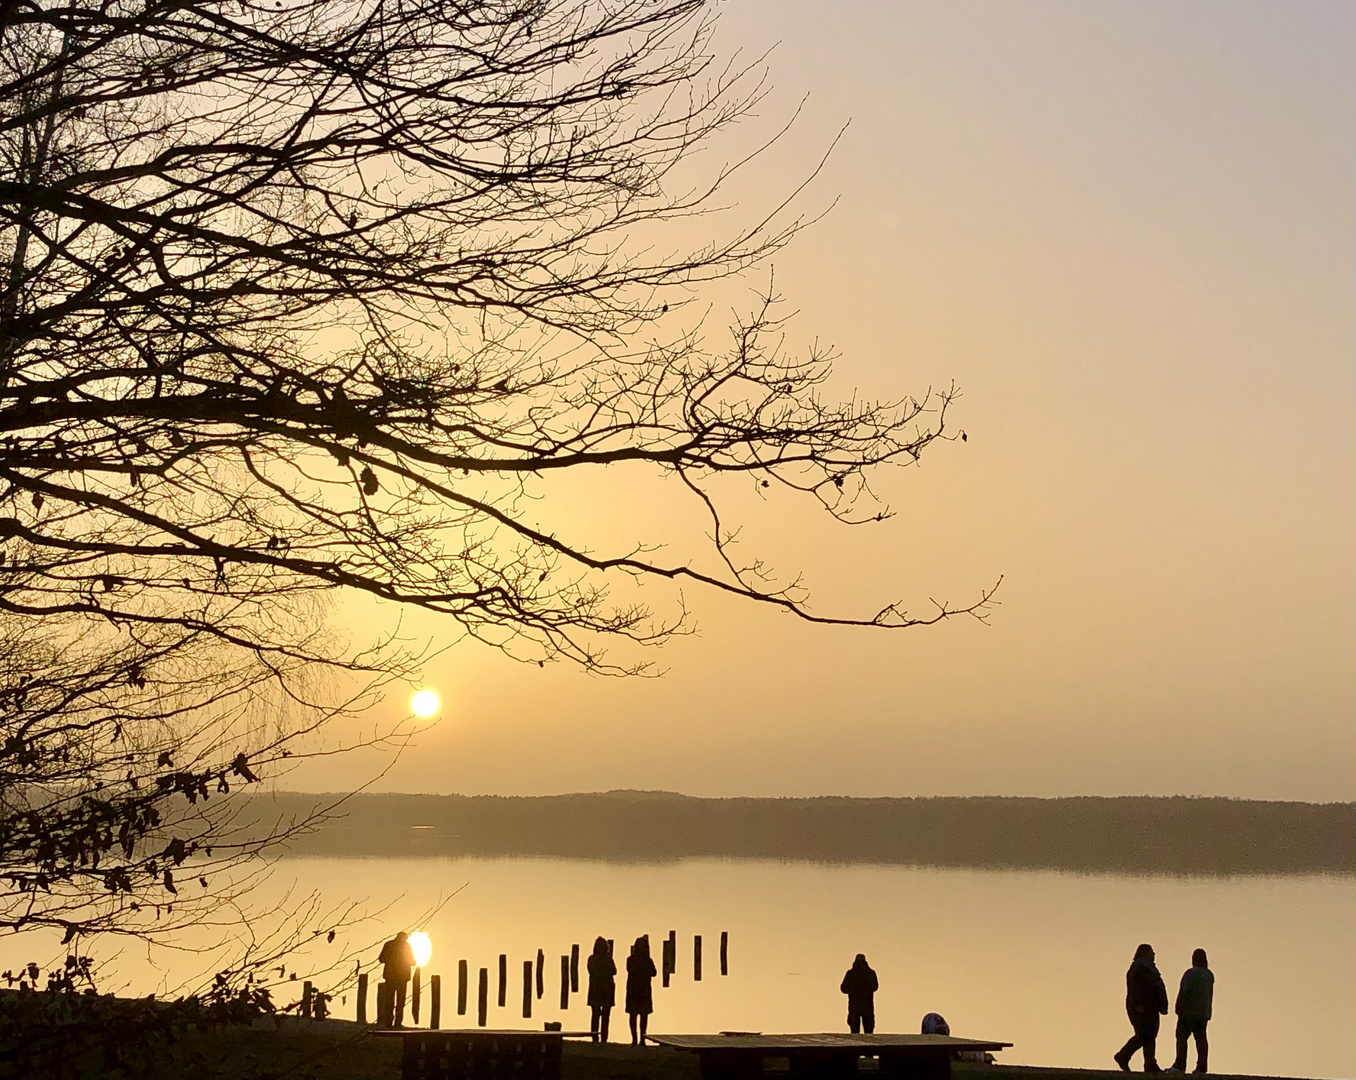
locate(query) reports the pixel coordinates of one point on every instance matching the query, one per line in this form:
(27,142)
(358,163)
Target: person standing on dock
(397,961)
(860,985)
(602,989)
(640,970)
(1146,998)
(1195,1001)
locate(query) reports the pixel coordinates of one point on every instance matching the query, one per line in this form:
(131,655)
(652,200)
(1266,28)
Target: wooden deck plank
(530,1033)
(829,1040)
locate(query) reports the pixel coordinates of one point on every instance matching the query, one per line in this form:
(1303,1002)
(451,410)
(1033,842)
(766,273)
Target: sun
(425,703)
(422,948)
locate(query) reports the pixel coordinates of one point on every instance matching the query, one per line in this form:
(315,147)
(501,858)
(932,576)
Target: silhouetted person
(1195,999)
(397,960)
(602,989)
(935,1024)
(1146,998)
(640,970)
(860,985)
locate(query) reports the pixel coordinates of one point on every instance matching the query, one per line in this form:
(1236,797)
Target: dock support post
(503,980)
(461,987)
(541,973)
(483,997)
(725,952)
(527,989)
(574,969)
(696,958)
(435,1002)
(362,998)
(564,981)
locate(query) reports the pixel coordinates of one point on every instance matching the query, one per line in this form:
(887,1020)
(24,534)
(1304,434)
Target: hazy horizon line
(662,793)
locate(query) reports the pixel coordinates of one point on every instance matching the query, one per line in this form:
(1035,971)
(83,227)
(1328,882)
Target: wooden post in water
(461,987)
(725,952)
(483,997)
(564,981)
(574,969)
(673,952)
(415,982)
(665,959)
(306,991)
(435,1002)
(541,974)
(696,958)
(503,980)
(527,989)
(362,997)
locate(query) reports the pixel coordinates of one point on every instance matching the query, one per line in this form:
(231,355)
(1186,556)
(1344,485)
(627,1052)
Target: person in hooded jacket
(1195,1002)
(640,970)
(602,989)
(1146,999)
(860,985)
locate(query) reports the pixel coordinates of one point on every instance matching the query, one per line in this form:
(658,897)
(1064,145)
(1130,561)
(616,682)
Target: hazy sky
(1125,229)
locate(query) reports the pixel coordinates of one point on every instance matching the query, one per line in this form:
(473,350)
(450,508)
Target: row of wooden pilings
(534,982)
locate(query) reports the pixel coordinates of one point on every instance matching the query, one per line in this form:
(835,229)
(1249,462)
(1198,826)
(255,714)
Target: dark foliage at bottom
(69,1031)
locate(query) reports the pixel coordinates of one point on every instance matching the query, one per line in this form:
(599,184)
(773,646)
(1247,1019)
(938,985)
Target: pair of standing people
(397,965)
(602,995)
(1146,999)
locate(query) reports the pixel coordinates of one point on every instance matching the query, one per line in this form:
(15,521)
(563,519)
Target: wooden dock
(831,1055)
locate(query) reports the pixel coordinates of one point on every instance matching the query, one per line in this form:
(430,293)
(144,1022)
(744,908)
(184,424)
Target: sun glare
(422,946)
(425,703)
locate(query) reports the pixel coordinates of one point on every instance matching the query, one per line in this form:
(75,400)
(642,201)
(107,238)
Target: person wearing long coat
(602,989)
(860,986)
(640,970)
(1146,999)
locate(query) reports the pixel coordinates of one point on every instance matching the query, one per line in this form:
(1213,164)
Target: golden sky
(1125,229)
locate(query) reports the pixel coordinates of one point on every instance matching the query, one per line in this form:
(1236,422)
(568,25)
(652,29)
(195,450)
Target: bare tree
(120,749)
(305,295)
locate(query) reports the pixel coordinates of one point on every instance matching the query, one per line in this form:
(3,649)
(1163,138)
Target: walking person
(397,963)
(1195,1001)
(602,989)
(860,986)
(640,970)
(1146,999)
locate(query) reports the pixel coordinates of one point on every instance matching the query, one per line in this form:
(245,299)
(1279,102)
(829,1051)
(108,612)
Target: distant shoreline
(1175,835)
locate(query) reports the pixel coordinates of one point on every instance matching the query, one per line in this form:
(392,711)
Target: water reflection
(1035,958)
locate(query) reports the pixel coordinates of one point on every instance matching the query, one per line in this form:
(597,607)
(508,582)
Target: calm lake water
(1033,958)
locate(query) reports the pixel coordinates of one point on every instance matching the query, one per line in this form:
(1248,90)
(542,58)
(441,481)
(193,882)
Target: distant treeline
(1137,835)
